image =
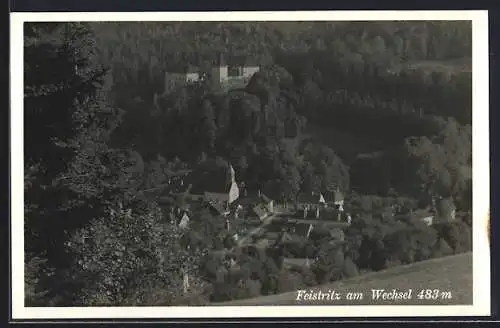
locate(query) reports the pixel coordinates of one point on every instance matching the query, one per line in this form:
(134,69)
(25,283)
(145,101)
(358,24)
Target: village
(257,222)
(253,219)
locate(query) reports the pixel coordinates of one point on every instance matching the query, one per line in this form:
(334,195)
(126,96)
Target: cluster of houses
(229,200)
(314,204)
(313,214)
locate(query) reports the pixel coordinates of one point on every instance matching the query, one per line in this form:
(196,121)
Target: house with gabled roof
(335,199)
(312,198)
(252,198)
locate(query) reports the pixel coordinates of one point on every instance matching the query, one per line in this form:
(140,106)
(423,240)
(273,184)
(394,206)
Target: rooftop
(333,196)
(253,198)
(217,206)
(309,197)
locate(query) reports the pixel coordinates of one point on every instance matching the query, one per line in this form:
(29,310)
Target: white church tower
(234,191)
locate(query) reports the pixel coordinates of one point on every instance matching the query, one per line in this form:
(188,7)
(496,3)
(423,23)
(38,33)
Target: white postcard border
(481,168)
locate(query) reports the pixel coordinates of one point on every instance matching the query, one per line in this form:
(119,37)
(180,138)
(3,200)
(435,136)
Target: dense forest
(379,110)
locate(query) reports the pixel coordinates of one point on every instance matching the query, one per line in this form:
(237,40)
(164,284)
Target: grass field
(448,274)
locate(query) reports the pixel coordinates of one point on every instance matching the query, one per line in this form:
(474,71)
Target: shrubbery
(123,257)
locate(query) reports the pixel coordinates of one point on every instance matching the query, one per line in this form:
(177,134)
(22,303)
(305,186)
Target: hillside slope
(448,274)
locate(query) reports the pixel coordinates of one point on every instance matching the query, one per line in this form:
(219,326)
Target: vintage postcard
(250,164)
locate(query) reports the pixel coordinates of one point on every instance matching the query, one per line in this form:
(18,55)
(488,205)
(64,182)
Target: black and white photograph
(201,163)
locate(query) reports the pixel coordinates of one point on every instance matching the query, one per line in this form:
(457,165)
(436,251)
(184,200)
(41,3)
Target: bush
(442,248)
(288,281)
(457,234)
(36,275)
(223,291)
(465,238)
(329,264)
(350,269)
(251,288)
(210,267)
(121,258)
(308,277)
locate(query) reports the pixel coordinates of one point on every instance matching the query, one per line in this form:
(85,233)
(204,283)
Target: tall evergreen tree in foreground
(88,235)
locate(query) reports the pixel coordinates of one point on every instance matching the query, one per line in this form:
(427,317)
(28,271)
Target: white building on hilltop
(234,71)
(227,72)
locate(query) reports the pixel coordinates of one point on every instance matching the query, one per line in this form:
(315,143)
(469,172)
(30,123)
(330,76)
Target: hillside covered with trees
(366,108)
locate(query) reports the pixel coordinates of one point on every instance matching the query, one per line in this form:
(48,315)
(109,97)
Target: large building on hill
(233,71)
(227,72)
